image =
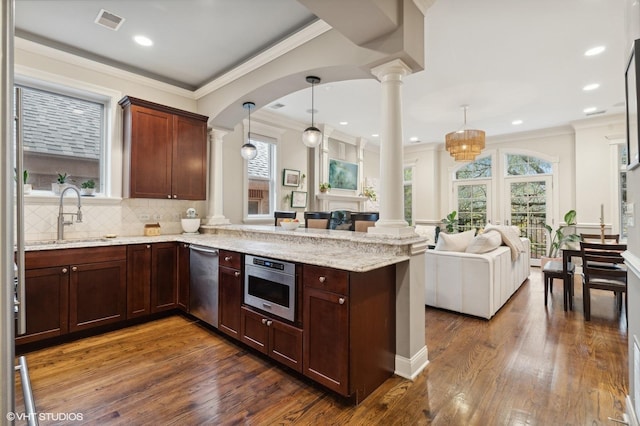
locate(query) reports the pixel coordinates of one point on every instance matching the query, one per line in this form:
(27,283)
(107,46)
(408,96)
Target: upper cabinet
(165,151)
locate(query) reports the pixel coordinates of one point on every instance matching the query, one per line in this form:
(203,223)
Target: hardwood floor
(528,365)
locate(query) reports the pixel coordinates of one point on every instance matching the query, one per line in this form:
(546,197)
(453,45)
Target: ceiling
(507,59)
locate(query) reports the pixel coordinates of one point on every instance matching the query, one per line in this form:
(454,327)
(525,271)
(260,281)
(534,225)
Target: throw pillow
(428,232)
(455,242)
(486,242)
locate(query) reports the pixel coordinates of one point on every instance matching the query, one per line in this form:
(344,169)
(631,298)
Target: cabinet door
(285,344)
(254,330)
(183,276)
(189,175)
(151,151)
(326,339)
(230,300)
(97,294)
(164,276)
(47,303)
(138,280)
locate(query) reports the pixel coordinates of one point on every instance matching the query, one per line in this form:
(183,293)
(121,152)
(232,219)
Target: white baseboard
(631,417)
(409,368)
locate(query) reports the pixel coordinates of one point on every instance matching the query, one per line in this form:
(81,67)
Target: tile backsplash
(126,218)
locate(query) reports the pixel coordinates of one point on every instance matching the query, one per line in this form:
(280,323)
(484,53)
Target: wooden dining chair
(360,222)
(318,220)
(596,238)
(283,215)
(603,269)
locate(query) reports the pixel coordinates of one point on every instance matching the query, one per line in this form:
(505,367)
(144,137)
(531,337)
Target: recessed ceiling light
(375,135)
(344,123)
(516,122)
(413,138)
(594,51)
(143,41)
(588,110)
(592,86)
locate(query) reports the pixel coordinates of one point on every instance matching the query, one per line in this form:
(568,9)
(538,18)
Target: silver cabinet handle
(341,301)
(65,270)
(228,258)
(175,196)
(264,320)
(237,274)
(322,279)
(269,322)
(169,196)
(74,268)
(148,245)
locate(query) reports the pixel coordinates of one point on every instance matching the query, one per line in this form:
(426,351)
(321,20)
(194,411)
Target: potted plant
(61,182)
(25,176)
(324,186)
(370,193)
(560,237)
(451,223)
(88,187)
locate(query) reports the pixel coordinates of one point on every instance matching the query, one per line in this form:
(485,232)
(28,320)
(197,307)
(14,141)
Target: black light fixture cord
(312,104)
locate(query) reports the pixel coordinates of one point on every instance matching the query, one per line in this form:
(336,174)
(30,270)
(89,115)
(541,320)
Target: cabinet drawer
(334,280)
(74,256)
(230,259)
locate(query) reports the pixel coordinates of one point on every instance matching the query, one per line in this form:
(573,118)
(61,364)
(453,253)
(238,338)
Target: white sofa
(474,284)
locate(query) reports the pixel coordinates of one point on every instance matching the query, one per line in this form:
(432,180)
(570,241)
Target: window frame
(111,147)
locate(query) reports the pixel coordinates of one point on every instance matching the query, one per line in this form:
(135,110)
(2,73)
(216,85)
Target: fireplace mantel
(332,201)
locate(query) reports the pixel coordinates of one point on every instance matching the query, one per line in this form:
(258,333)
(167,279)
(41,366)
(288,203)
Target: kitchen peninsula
(351,292)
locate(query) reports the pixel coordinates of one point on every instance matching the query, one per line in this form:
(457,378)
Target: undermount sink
(70,241)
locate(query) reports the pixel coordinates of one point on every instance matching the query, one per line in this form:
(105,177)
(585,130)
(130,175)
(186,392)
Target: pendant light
(312,135)
(465,144)
(249,150)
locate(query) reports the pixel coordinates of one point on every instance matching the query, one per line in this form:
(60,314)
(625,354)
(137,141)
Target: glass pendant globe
(248,151)
(312,137)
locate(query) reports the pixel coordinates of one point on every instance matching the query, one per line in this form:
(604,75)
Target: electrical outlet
(157,216)
(144,217)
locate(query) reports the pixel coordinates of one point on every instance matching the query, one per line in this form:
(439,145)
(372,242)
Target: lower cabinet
(64,295)
(349,328)
(281,341)
(230,281)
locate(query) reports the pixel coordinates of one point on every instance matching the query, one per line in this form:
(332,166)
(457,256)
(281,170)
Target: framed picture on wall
(290,177)
(631,88)
(343,175)
(298,199)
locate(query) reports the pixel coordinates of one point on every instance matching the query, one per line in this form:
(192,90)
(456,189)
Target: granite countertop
(351,251)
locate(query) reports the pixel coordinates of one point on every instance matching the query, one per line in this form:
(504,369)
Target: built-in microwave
(270,285)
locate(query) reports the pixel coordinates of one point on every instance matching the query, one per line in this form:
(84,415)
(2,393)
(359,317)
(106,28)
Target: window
(261,182)
(408,194)
(62,134)
(473,193)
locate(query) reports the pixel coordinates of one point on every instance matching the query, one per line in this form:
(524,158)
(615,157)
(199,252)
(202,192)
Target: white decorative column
(391,151)
(411,349)
(215,212)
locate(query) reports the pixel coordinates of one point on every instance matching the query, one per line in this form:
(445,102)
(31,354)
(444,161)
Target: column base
(392,228)
(217,220)
(409,368)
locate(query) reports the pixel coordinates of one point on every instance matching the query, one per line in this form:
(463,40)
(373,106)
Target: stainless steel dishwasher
(203,288)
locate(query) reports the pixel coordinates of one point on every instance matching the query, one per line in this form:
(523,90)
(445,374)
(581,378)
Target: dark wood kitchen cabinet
(280,341)
(349,328)
(73,289)
(229,292)
(152,278)
(165,151)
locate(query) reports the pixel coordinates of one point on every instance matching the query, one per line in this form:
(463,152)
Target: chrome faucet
(61,213)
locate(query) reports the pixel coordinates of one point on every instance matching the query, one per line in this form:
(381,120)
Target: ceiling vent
(602,111)
(109,20)
(277,106)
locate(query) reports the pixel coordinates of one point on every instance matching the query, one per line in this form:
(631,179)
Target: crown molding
(79,61)
(588,123)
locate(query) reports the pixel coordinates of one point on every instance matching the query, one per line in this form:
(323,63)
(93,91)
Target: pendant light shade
(465,144)
(312,135)
(248,150)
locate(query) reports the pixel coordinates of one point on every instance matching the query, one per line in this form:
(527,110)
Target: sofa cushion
(486,242)
(455,242)
(428,232)
(510,237)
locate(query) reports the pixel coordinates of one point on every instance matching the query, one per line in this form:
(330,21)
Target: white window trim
(274,133)
(113,144)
